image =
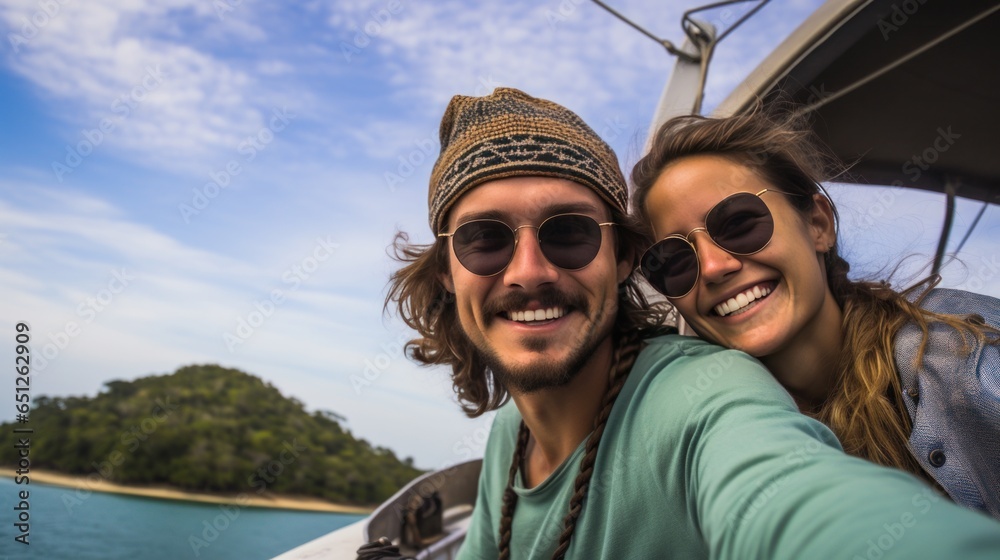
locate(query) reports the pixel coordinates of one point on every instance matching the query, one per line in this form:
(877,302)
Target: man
(620,444)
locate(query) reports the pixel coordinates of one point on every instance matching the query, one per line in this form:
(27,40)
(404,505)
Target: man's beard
(548,374)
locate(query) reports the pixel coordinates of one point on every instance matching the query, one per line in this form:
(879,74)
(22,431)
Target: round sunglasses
(486,247)
(740,224)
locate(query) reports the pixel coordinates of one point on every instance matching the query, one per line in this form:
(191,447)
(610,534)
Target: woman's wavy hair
(866,409)
(424,304)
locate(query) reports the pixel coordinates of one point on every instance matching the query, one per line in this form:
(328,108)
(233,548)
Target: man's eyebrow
(573,208)
(483,215)
(552,210)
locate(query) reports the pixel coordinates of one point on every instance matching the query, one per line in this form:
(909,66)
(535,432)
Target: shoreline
(243,499)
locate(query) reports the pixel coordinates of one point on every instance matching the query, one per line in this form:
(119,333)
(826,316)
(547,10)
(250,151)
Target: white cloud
(572,52)
(129,66)
(893,231)
(443,49)
(326,177)
(64,250)
(274,67)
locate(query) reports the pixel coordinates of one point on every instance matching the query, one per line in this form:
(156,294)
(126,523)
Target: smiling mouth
(741,303)
(536,315)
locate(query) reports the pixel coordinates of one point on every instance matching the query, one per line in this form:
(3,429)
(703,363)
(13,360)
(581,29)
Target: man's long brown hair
(424,304)
(865,409)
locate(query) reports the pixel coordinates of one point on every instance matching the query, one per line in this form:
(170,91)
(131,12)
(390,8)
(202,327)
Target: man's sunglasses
(486,247)
(740,224)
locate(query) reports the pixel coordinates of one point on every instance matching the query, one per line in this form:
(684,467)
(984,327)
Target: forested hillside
(207,428)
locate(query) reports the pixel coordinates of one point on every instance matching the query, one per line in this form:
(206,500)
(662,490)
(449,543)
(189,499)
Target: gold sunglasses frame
(687,239)
(514,231)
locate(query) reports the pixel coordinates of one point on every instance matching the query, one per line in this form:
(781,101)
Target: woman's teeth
(536,315)
(741,302)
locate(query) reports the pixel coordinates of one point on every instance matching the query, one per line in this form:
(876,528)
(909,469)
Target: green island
(207,429)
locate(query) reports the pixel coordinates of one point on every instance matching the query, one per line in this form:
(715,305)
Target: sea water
(65,524)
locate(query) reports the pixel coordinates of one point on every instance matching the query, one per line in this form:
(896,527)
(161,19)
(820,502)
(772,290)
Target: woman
(746,251)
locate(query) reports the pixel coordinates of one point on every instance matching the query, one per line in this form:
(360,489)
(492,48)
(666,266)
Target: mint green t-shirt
(706,456)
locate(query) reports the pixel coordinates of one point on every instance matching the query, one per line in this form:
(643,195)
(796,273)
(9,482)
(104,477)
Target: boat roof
(906,91)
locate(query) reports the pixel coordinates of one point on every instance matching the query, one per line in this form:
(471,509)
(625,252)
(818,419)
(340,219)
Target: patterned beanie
(511,134)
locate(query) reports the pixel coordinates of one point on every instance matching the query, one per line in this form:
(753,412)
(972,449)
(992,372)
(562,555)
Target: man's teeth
(536,315)
(741,301)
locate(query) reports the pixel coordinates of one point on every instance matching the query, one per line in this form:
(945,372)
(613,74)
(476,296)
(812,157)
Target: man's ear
(822,226)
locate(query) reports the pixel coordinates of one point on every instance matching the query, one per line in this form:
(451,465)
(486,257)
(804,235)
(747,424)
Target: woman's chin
(750,342)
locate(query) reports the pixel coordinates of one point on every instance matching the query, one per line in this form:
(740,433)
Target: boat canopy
(906,91)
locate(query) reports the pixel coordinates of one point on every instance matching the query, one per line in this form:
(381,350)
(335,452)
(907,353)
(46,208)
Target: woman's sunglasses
(740,224)
(486,247)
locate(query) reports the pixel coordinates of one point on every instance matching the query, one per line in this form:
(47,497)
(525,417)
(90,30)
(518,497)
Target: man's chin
(532,378)
(538,370)
(528,363)
(537,345)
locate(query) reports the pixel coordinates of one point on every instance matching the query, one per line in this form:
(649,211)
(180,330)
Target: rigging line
(706,41)
(968,233)
(949,216)
(663,42)
(947,35)
(740,21)
(687,15)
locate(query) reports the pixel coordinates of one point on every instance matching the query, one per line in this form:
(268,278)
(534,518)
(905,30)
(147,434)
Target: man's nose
(528,267)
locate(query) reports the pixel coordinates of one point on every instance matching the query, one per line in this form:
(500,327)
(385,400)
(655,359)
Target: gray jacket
(954,401)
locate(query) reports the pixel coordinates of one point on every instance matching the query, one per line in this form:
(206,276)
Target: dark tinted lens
(484,247)
(671,267)
(570,241)
(740,224)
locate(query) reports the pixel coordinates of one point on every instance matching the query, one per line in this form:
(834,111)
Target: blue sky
(185,181)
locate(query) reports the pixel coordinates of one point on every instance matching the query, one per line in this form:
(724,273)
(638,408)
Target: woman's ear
(822,225)
(626,260)
(446,281)
(624,269)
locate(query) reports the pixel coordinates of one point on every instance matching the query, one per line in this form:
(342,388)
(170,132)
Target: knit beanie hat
(509,134)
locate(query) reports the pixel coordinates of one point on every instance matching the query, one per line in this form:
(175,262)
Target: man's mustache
(546,297)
